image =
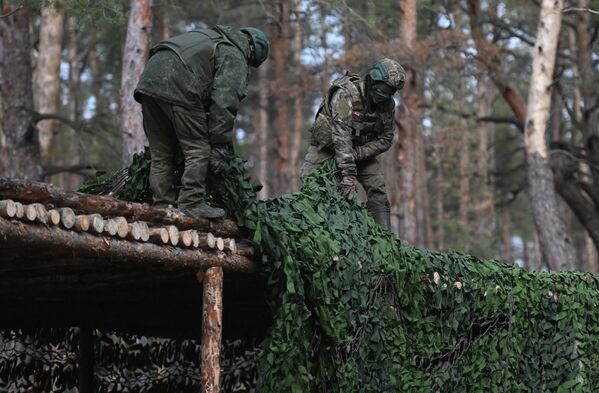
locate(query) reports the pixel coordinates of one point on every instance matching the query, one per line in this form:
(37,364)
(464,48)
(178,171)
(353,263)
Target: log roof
(63,263)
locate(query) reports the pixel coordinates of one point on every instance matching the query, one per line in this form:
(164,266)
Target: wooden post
(212,310)
(86,360)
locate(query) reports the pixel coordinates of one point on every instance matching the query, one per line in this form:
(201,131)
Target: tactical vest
(366,126)
(196,49)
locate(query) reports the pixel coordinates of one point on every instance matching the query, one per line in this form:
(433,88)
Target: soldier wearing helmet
(190,91)
(355,124)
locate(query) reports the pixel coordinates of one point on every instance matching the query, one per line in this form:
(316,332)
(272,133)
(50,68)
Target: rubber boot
(204,210)
(383,218)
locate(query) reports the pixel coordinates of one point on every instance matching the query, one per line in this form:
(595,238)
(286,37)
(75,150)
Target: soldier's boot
(204,210)
(383,218)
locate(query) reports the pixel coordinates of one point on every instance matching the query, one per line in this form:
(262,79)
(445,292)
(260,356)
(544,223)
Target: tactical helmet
(260,44)
(388,71)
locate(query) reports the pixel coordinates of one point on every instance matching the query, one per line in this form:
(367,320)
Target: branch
(501,120)
(19,8)
(577,9)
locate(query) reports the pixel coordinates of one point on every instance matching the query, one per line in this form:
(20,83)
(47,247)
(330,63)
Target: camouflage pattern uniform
(190,91)
(349,127)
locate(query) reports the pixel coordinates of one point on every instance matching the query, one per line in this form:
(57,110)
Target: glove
(358,154)
(348,187)
(219,158)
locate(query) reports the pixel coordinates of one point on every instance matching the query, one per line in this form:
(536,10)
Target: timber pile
(105,216)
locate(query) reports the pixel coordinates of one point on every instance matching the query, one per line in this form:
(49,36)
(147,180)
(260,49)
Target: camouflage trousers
(370,176)
(177,136)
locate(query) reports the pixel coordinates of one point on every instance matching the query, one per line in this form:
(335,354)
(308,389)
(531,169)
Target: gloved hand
(348,187)
(219,157)
(358,154)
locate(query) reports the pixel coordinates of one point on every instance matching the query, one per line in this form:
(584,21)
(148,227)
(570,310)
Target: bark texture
(263,131)
(19,148)
(556,243)
(137,45)
(212,311)
(47,78)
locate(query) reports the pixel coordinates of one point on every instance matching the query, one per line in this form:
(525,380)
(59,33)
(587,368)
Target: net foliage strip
(354,311)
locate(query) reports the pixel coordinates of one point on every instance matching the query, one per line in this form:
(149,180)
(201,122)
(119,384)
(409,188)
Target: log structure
(71,259)
(33,192)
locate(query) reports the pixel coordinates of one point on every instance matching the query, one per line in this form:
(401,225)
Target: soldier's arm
(228,89)
(381,144)
(342,132)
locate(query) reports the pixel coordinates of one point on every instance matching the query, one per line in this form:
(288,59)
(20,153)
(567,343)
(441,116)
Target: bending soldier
(190,92)
(355,124)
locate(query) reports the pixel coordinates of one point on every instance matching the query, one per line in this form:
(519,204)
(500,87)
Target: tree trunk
(408,119)
(262,129)
(20,156)
(298,120)
(507,235)
(212,312)
(47,77)
(554,239)
(591,254)
(464,168)
(134,58)
(485,208)
(280,54)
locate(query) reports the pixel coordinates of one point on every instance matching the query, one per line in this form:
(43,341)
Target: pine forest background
(457,171)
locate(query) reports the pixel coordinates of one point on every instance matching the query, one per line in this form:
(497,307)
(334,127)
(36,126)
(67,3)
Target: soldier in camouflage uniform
(190,91)
(355,124)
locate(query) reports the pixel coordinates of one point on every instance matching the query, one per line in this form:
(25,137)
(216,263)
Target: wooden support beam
(85,358)
(34,192)
(17,235)
(212,310)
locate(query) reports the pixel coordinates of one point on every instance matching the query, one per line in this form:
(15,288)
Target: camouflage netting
(356,312)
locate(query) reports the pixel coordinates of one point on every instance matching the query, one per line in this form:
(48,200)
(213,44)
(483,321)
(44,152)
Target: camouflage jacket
(345,121)
(202,69)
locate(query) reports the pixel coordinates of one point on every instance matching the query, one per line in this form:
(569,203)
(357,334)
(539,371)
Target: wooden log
(53,217)
(134,232)
(81,223)
(111,227)
(55,240)
(173,234)
(231,245)
(8,209)
(144,231)
(30,213)
(20,210)
(195,238)
(159,235)
(67,217)
(220,244)
(97,223)
(122,227)
(207,241)
(212,309)
(41,214)
(186,238)
(27,191)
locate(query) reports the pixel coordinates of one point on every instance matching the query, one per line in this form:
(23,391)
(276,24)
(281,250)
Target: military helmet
(388,71)
(260,44)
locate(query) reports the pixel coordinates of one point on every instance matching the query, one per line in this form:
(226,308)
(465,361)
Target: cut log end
(186,238)
(8,209)
(159,235)
(41,214)
(97,223)
(30,213)
(53,217)
(173,234)
(220,243)
(81,223)
(111,227)
(67,217)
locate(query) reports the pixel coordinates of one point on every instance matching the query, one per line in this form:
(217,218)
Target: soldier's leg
(370,175)
(312,161)
(163,145)
(192,132)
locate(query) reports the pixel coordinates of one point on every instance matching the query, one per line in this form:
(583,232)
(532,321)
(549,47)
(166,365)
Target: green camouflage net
(354,311)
